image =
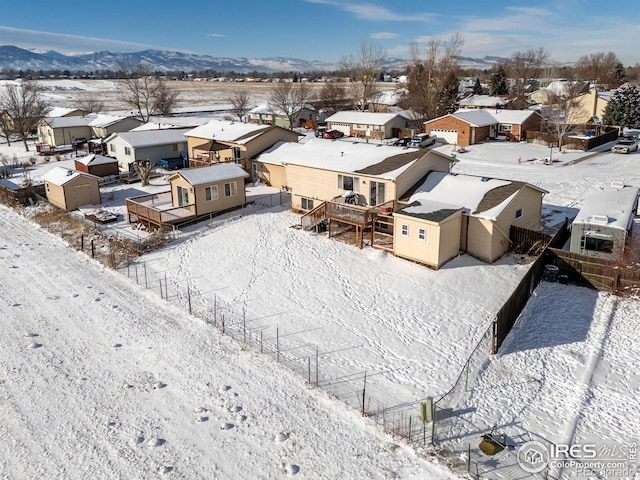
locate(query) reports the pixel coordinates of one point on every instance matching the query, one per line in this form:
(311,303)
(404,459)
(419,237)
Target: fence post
(161,296)
(189,298)
(364,389)
(93,249)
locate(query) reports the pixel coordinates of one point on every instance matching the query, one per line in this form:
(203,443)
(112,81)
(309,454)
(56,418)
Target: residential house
(69,189)
(152,145)
(363,174)
(558,89)
(97,165)
(604,222)
(265,114)
(66,112)
(373,125)
(468,126)
(223,141)
(500,102)
(194,193)
(59,131)
(589,105)
(269,169)
(448,213)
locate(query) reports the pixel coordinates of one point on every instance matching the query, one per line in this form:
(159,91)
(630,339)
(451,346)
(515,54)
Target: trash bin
(550,273)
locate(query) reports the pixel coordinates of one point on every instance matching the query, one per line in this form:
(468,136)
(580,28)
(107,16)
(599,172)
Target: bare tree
(90,104)
(563,111)
(525,66)
(144,169)
(364,70)
(6,126)
(599,68)
(333,97)
(432,85)
(241,103)
(147,94)
(165,97)
(290,99)
(26,106)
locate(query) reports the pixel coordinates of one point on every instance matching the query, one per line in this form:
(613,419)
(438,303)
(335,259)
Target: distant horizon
(326,30)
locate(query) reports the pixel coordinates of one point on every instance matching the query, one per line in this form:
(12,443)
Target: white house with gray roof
(152,145)
(374,125)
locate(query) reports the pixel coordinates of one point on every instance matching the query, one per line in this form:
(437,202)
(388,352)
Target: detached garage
(69,189)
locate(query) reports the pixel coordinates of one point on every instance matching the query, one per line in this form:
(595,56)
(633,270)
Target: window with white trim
(127,151)
(347,182)
(404,230)
(422,234)
(237,153)
(211,193)
(504,128)
(112,147)
(230,189)
(306,203)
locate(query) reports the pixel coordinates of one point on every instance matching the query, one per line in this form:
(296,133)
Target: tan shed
(69,189)
(427,232)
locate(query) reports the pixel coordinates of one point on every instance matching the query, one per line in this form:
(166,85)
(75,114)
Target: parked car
(319,131)
(422,140)
(625,145)
(332,134)
(402,142)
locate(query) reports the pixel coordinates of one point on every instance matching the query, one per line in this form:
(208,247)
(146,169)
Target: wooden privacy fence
(528,241)
(602,274)
(12,194)
(585,144)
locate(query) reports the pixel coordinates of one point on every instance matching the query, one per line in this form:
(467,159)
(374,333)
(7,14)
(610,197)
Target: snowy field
(97,368)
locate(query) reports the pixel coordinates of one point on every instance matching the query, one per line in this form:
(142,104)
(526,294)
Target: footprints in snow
(34,344)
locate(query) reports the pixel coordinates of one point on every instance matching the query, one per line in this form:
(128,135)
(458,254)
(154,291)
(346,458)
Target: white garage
(448,136)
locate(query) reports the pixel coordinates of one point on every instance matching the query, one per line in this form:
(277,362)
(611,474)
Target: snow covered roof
(62,175)
(342,156)
(429,210)
(98,120)
(364,118)
(268,109)
(213,174)
(150,138)
(225,131)
(458,191)
(484,117)
(61,111)
(611,207)
(482,101)
(94,159)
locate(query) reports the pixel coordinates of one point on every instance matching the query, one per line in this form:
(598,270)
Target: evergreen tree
(498,84)
(477,87)
(623,109)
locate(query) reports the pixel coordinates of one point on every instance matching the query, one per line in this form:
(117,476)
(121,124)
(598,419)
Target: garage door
(448,136)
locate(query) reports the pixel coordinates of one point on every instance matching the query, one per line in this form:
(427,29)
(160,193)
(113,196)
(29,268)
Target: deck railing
(157,209)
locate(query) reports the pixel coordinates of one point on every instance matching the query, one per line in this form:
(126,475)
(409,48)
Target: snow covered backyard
(103,377)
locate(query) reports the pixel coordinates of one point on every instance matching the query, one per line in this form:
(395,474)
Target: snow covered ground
(566,372)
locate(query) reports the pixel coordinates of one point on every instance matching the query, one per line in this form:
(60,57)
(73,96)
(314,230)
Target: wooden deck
(157,209)
(352,222)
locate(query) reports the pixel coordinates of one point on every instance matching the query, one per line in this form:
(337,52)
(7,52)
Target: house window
(112,147)
(230,189)
(503,128)
(237,153)
(183,196)
(376,193)
(597,244)
(307,203)
(518,213)
(211,193)
(346,182)
(422,234)
(48,187)
(127,151)
(404,230)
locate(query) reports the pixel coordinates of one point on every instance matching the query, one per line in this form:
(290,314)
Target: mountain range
(161,60)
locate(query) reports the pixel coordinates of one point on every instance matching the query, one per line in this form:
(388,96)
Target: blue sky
(323,29)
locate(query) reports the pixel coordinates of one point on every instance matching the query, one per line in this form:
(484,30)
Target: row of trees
(23,105)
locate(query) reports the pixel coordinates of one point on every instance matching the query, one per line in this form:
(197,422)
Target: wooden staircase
(314,217)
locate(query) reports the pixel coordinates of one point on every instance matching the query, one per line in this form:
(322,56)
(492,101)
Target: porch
(157,209)
(353,223)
